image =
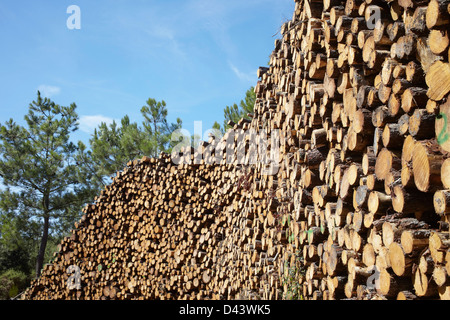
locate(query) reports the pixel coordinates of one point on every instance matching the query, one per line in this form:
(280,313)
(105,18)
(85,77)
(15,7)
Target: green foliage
(216,126)
(236,112)
(113,146)
(12,282)
(156,126)
(292,279)
(38,167)
(47,178)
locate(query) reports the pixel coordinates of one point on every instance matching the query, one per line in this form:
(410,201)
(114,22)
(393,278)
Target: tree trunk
(44,239)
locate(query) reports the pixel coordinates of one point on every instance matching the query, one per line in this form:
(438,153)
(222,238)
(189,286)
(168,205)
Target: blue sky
(197,55)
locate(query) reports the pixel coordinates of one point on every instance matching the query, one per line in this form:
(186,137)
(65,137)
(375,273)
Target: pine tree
(38,163)
(113,146)
(157,127)
(236,112)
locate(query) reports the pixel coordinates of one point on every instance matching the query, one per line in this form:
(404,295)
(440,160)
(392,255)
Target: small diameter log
(341,213)
(440,276)
(407,150)
(373,183)
(400,85)
(360,196)
(414,240)
(377,140)
(413,98)
(421,124)
(406,295)
(414,72)
(386,161)
(378,202)
(409,201)
(425,56)
(403,124)
(407,176)
(423,287)
(392,138)
(447,262)
(319,138)
(387,77)
(444,292)
(401,263)
(439,41)
(381,116)
(334,262)
(441,201)
(437,14)
(390,285)
(368,161)
(362,122)
(439,244)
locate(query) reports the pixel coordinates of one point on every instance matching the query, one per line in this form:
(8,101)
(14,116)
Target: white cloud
(243,76)
(89,123)
(48,91)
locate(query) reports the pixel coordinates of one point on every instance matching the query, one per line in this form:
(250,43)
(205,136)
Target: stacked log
(373,99)
(355,204)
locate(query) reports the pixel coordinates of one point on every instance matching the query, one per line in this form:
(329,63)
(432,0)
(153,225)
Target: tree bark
(43,245)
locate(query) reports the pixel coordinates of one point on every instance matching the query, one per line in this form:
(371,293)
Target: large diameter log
(438,80)
(426,167)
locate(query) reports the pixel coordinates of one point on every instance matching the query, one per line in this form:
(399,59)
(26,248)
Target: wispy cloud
(48,91)
(89,123)
(166,38)
(243,76)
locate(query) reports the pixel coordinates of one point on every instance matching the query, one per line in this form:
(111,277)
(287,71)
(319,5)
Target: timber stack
(354,204)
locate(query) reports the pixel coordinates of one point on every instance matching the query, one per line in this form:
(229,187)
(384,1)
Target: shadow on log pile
(355,206)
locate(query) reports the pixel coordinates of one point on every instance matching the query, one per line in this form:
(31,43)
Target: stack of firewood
(353,203)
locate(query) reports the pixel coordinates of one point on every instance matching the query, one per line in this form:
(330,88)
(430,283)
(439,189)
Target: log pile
(356,205)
